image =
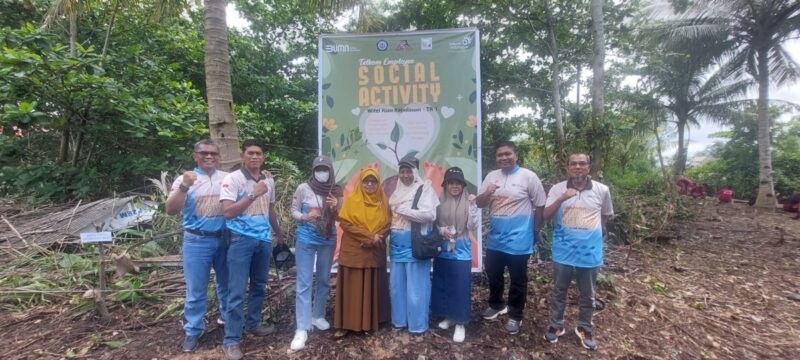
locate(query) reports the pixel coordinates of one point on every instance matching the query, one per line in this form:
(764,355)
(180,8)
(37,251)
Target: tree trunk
(598,98)
(221,123)
(766,191)
(556,70)
(110,28)
(680,156)
(63,147)
(660,155)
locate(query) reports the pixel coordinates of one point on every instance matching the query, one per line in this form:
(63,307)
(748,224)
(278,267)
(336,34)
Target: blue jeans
(200,254)
(247,257)
(304,258)
(410,292)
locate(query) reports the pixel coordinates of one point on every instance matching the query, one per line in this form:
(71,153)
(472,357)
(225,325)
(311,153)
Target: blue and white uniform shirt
(304,202)
(578,234)
(202,210)
(463,243)
(519,192)
(402,215)
(254,221)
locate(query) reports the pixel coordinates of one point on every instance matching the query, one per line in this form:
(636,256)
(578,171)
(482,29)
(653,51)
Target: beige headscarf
(453,211)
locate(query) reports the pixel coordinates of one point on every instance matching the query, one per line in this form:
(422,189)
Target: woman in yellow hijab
(362,287)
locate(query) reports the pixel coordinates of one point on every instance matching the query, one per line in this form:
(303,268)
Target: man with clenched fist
(581,207)
(515,198)
(248,205)
(196,194)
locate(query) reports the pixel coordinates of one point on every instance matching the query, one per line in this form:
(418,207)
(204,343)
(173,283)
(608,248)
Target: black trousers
(496,263)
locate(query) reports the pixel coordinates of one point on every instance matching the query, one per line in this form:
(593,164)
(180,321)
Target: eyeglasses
(206,153)
(370,182)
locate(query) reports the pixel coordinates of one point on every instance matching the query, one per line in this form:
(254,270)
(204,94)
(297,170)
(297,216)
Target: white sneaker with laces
(321,324)
(299,341)
(445,324)
(460,333)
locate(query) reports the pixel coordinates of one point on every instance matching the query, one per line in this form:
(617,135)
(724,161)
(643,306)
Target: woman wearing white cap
(409,280)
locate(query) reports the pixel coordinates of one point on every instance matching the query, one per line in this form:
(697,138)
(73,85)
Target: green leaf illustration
(326,145)
(382,146)
(341,140)
(342,168)
(412,153)
(472,97)
(395,136)
(460,137)
(469,150)
(326,86)
(457,146)
(329,100)
(333,153)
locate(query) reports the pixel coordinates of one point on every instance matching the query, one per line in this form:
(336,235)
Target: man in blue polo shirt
(248,200)
(196,194)
(515,198)
(581,207)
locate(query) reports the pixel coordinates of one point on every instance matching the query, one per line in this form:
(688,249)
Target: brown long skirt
(362,298)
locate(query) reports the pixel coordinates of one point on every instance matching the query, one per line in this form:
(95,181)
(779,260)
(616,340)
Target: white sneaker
(445,324)
(460,333)
(321,324)
(299,341)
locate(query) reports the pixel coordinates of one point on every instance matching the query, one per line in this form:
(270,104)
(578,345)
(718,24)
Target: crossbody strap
(416,198)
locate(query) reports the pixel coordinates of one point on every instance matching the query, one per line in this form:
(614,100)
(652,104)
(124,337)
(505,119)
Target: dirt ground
(727,286)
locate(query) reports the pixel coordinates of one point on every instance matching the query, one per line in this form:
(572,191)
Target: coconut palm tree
(221,123)
(682,84)
(754,31)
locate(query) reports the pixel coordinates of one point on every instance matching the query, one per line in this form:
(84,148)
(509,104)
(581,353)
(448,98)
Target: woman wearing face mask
(362,289)
(456,216)
(315,206)
(409,279)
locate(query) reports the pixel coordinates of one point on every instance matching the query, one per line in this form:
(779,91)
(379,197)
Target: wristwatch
(183,188)
(251,197)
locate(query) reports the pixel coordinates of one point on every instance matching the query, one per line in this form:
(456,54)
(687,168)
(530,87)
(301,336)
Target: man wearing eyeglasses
(196,194)
(581,207)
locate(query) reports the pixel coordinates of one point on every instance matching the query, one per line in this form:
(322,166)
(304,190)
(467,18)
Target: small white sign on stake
(95,237)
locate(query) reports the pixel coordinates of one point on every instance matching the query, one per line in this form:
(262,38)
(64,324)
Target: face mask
(322,176)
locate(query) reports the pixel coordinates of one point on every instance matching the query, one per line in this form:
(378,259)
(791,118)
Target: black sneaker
(490,313)
(262,330)
(586,338)
(190,343)
(513,325)
(553,333)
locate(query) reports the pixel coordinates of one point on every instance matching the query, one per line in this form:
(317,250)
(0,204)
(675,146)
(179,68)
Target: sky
(698,137)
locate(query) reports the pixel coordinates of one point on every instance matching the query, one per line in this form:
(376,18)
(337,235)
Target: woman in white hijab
(409,280)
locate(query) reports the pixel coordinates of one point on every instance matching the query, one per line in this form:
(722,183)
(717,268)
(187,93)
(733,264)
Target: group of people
(229,221)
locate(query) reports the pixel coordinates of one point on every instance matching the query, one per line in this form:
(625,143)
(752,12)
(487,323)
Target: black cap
(410,161)
(454,173)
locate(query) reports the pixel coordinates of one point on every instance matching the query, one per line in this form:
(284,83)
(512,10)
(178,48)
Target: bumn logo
(340,48)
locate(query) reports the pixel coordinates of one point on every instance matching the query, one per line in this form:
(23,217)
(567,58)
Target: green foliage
(105,108)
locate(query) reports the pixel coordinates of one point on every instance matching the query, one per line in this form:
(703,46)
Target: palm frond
(58,9)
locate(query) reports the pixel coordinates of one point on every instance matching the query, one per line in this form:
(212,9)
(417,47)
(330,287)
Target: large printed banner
(385,95)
